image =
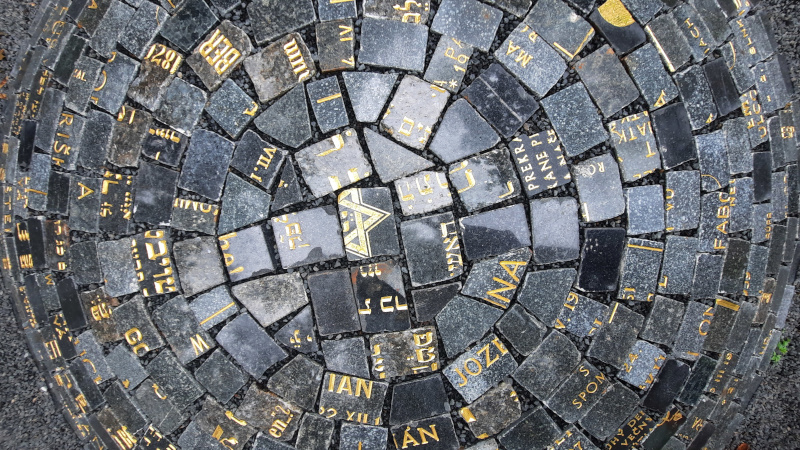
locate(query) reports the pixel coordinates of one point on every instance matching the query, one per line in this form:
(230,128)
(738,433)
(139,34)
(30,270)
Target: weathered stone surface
(219,54)
(272,18)
(280,66)
(409,120)
(391,43)
(470,381)
(336,162)
(575,119)
(469,21)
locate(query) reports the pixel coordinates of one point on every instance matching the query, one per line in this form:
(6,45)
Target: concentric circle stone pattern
(313,224)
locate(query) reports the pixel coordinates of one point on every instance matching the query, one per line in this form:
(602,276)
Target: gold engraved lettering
(225,55)
(164,57)
(296,60)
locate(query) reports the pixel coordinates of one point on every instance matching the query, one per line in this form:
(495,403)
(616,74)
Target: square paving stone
(336,162)
(714,218)
(393,44)
(696,95)
(422,235)
(428,302)
(674,134)
(449,63)
(428,196)
(462,133)
(246,253)
(368,92)
(94,360)
(298,382)
(334,304)
(189,23)
(707,272)
(713,158)
(98,305)
(134,323)
(283,418)
(645,206)
(616,336)
(220,54)
(174,379)
(192,215)
(352,436)
(346,397)
(213,307)
(617,25)
(510,224)
(368,223)
(572,106)
(472,373)
(327,103)
(599,188)
(418,399)
(231,108)
(381,299)
(610,411)
(142,28)
(544,292)
(677,269)
(220,376)
(155,191)
(607,81)
(198,264)
(535,428)
(682,200)
(481,416)
(495,280)
(601,257)
(250,345)
(123,408)
(581,316)
(667,386)
(464,321)
(182,331)
(257,158)
(517,52)
(487,179)
(206,162)
(347,356)
(560,26)
(181,105)
(336,44)
(280,66)
(272,18)
(409,119)
(422,430)
(404,353)
(650,76)
(214,419)
(541,168)
(287,296)
(693,330)
(641,365)
(501,100)
(582,389)
(635,146)
(157,70)
(104,39)
(469,21)
(321,241)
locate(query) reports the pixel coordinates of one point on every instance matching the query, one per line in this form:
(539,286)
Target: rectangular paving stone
(298,333)
(250,345)
(540,168)
(713,159)
(616,336)
(463,321)
(180,105)
(741,191)
(192,215)
(596,175)
(734,267)
(779,197)
(73,49)
(213,307)
(143,26)
(674,134)
(84,203)
(645,207)
(273,19)
(410,121)
(110,28)
(155,269)
(198,264)
(722,86)
(327,103)
(700,39)
(118,273)
(393,44)
(189,22)
(754,114)
(449,63)
(155,190)
(126,366)
(696,95)
(116,209)
(368,225)
(362,398)
(641,364)
(298,382)
(677,268)
(635,146)
(606,80)
(725,312)
(97,305)
(520,48)
(336,44)
(222,51)
(174,379)
(554,230)
(315,432)
(161,411)
(418,399)
(320,242)
(220,376)
(693,330)
(82,83)
(649,74)
(120,71)
(772,83)
(585,385)
(258,158)
(428,302)
(607,414)
(182,330)
(419,236)
(404,353)
(333,163)
(581,316)
(737,139)
(97,132)
(206,162)
(422,430)
(246,253)
(568,107)
(601,257)
(713,229)
(472,376)
(334,304)
(619,28)
(479,241)
(231,108)
(126,139)
(280,66)
(756,271)
(669,39)
(39,181)
(339,10)
(419,193)
(707,272)
(49,114)
(67,143)
(523,331)
(124,409)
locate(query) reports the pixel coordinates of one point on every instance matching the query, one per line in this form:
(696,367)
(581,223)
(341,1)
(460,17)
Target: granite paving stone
(599,188)
(642,364)
(469,21)
(618,26)
(287,120)
(368,92)
(610,411)
(586,385)
(606,80)
(534,428)
(420,236)
(712,156)
(559,25)
(391,160)
(470,381)
(462,133)
(198,264)
(393,44)
(220,376)
(554,228)
(696,95)
(250,345)
(485,179)
(334,163)
(213,307)
(645,207)
(272,18)
(380,296)
(407,119)
(242,204)
(347,355)
(126,367)
(542,168)
(575,119)
(231,108)
(341,393)
(449,63)
(463,321)
(281,65)
(544,369)
(601,257)
(336,43)
(334,304)
(509,224)
(418,399)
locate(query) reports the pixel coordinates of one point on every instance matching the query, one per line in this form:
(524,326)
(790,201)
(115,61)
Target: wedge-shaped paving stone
(409,119)
(464,321)
(420,193)
(462,133)
(645,206)
(49,117)
(635,146)
(70,302)
(524,45)
(641,365)
(298,382)
(772,83)
(418,399)
(569,107)
(283,418)
(287,294)
(544,292)
(485,179)
(468,21)
(494,232)
(118,274)
(428,302)
(155,191)
(181,106)
(182,331)
(174,380)
(206,163)
(381,299)
(368,92)
(495,280)
(231,108)
(188,24)
(287,120)
(347,355)
(134,323)
(650,76)
(677,268)
(674,134)
(404,353)
(534,428)
(599,188)
(776,142)
(480,368)
(257,159)
(242,204)
(327,103)
(250,345)
(737,337)
(449,63)
(640,269)
(164,145)
(352,436)
(220,376)
(299,333)
(142,28)
(607,81)
(481,416)
(346,397)
(667,386)
(616,336)
(707,272)
(220,54)
(40,179)
(157,70)
(581,316)
(319,243)
(272,18)
(391,160)
(560,26)
(393,44)
(336,162)
(693,330)
(601,257)
(333,301)
(521,329)
(425,432)
(682,200)
(335,41)
(582,389)
(617,25)
(608,413)
(281,65)
(162,412)
(422,235)
(198,264)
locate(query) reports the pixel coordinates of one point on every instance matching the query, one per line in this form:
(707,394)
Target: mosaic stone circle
(368,225)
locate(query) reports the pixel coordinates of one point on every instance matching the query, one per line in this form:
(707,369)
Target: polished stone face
(452,224)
